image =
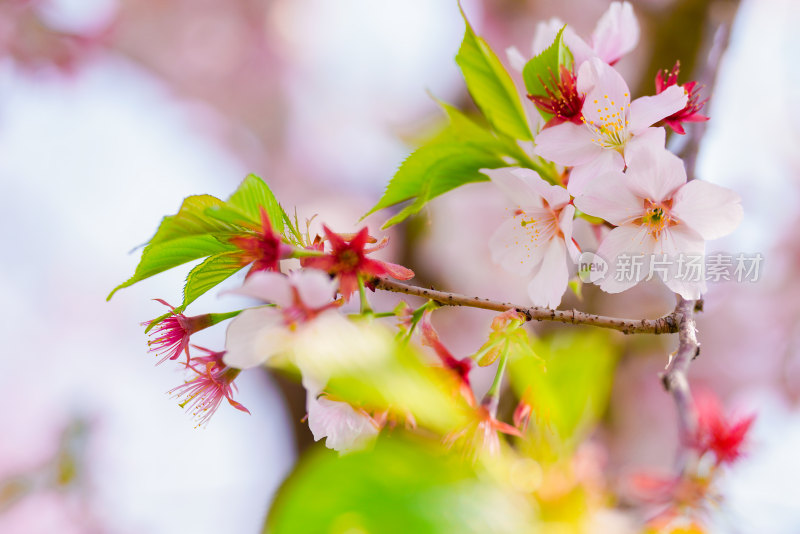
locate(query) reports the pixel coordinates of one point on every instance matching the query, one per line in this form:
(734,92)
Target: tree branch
(674,377)
(667,324)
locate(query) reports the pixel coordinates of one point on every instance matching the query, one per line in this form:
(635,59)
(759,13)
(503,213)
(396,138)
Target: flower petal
(648,110)
(548,285)
(398,272)
(345,428)
(515,58)
(620,249)
(580,176)
(709,209)
(516,184)
(606,92)
(545,34)
(616,33)
(267,286)
(519,247)
(567,144)
(580,50)
(608,197)
(681,242)
(653,173)
(315,288)
(526,188)
(254,336)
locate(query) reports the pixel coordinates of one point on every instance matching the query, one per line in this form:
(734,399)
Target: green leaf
(571,391)
(165,255)
(202,227)
(191,220)
(435,169)
(209,274)
(399,487)
(250,196)
(491,87)
(545,66)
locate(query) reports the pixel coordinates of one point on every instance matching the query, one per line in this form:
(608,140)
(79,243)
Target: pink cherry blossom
(690,113)
(537,238)
(616,34)
(612,123)
(171,335)
(657,212)
(213,382)
(344,427)
(257,334)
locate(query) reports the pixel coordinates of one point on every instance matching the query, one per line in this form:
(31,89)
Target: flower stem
(490,400)
(362,293)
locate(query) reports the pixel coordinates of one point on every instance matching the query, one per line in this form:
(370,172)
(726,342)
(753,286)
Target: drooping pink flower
(171,335)
(430,338)
(480,436)
(718,434)
(616,34)
(255,335)
(537,239)
(659,217)
(347,260)
(690,113)
(524,411)
(212,382)
(611,125)
(264,249)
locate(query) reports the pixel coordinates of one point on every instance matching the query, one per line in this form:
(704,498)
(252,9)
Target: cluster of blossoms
(616,168)
(255,336)
(602,163)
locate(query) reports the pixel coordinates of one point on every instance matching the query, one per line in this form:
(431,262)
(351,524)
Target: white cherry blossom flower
(536,240)
(257,334)
(611,125)
(345,428)
(657,212)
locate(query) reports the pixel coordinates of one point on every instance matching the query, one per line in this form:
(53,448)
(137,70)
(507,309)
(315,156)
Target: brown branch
(674,377)
(667,324)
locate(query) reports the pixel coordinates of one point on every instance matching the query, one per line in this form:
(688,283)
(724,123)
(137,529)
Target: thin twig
(667,324)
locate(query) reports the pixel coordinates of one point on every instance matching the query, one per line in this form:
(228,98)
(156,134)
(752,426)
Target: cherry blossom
(612,123)
(343,427)
(536,240)
(430,338)
(616,34)
(716,433)
(264,249)
(348,261)
(257,334)
(171,335)
(562,101)
(690,113)
(213,382)
(657,212)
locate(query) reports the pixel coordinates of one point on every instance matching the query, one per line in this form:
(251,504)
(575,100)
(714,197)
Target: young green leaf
(210,273)
(491,87)
(542,72)
(435,169)
(162,256)
(250,196)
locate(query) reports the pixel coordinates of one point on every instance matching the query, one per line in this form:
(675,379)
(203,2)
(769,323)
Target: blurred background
(112,111)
